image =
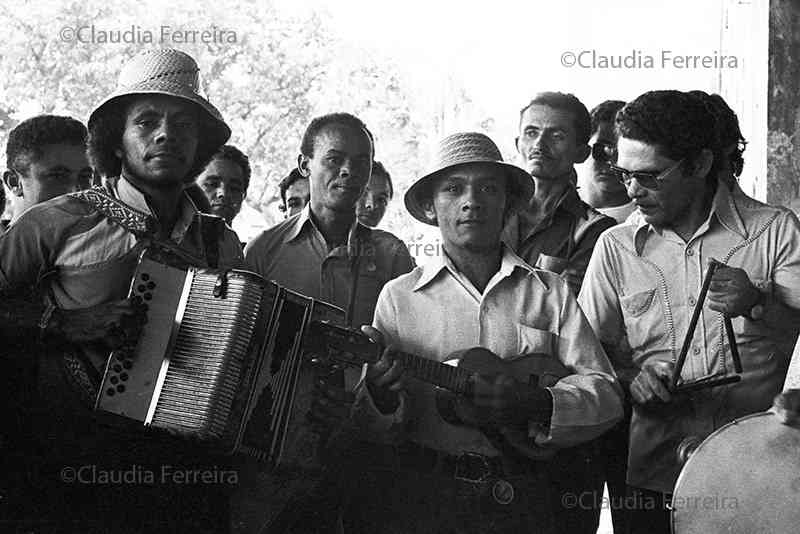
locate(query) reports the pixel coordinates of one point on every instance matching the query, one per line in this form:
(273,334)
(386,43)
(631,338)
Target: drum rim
(735,422)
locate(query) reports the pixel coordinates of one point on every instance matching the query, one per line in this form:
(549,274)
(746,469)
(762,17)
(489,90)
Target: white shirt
(435,310)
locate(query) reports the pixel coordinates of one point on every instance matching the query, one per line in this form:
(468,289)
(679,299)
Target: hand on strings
(385,379)
(508,400)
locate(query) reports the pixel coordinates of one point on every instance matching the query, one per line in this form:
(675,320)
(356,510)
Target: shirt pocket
(530,339)
(540,360)
(643,317)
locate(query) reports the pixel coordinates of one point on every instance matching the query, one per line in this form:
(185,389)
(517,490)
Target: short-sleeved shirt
(639,293)
(435,310)
(569,233)
(295,255)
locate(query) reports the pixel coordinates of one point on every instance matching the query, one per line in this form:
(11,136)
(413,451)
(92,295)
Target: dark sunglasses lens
(648,181)
(604,153)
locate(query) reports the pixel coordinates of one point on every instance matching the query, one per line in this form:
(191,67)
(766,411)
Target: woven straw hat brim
(214,128)
(521,188)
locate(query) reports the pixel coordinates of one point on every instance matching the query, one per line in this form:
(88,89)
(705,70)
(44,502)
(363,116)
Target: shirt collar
(573,204)
(299,223)
(130,195)
(508,263)
(723,207)
(569,202)
(304,220)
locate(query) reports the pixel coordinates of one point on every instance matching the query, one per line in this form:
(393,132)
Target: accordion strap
(100,198)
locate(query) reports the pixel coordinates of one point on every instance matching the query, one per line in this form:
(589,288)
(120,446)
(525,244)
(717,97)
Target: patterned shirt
(69,252)
(639,293)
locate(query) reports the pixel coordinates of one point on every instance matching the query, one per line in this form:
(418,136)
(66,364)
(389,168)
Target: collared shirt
(295,255)
(619,213)
(66,249)
(85,258)
(567,236)
(435,310)
(640,290)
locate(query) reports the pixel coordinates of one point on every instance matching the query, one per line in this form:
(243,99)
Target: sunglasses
(604,152)
(648,180)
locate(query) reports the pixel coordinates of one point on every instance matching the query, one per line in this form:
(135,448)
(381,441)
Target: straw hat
(461,149)
(167,72)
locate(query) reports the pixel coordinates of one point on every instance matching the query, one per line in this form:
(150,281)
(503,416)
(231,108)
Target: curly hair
(604,112)
(565,102)
(727,129)
(679,124)
(378,168)
(28,138)
(233,154)
(318,123)
(105,136)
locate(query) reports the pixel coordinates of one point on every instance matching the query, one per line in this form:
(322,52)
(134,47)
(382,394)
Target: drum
(743,479)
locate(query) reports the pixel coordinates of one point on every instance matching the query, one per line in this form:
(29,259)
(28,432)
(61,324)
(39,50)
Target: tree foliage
(280,72)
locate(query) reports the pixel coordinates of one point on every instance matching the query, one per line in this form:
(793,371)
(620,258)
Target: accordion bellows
(217,360)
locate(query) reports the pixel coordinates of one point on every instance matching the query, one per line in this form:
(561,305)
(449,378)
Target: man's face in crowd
(339,168)
(372,204)
(59,169)
(669,204)
(598,171)
(223,183)
(469,202)
(159,142)
(297,196)
(547,142)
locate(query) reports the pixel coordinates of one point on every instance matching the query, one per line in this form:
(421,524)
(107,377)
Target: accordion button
(140,288)
(148,296)
(114,379)
(151,285)
(123,377)
(110,392)
(145,277)
(137,300)
(121,388)
(117,367)
(127,364)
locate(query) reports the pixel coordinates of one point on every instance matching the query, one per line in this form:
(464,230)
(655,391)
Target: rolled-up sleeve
(589,401)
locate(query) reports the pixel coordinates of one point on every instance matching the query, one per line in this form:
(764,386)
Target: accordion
(218,359)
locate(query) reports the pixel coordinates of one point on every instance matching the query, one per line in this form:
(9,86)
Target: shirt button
(696,350)
(692,301)
(689,252)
